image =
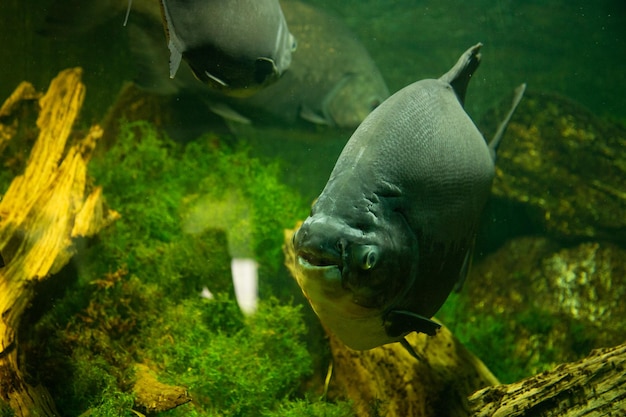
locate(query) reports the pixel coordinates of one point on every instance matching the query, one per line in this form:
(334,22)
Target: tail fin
(493,145)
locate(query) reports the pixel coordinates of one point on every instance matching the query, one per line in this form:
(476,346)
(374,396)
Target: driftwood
(388,381)
(41,213)
(450,381)
(592,387)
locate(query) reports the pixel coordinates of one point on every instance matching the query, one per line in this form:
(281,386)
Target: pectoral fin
(401,322)
(311,116)
(228,113)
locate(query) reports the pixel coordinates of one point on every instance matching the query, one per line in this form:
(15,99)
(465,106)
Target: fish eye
(366,256)
(369,259)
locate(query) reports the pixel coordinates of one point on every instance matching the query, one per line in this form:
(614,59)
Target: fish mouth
(319,260)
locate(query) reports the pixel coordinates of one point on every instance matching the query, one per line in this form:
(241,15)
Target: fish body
(393,230)
(332,79)
(236,47)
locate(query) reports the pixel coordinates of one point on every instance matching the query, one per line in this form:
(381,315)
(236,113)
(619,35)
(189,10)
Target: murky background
(576,48)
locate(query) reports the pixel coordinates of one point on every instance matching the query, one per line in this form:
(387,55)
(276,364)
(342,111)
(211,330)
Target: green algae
(5,409)
(132,294)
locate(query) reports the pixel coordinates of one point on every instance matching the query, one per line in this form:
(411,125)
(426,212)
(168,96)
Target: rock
(153,396)
(565,166)
(546,304)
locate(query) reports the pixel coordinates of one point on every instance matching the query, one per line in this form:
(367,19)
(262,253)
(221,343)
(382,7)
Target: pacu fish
(332,79)
(236,47)
(393,230)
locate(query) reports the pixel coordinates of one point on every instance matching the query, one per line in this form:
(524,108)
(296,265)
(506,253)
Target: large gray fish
(393,230)
(332,79)
(236,47)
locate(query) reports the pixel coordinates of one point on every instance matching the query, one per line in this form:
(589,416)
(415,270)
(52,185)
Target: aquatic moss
(240,373)
(152,181)
(516,345)
(311,408)
(136,298)
(97,390)
(86,349)
(496,339)
(5,409)
(485,336)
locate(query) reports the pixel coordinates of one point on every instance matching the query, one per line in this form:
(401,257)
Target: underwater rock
(567,166)
(551,304)
(153,396)
(42,211)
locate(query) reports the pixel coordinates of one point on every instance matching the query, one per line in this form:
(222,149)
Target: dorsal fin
(459,75)
(497,137)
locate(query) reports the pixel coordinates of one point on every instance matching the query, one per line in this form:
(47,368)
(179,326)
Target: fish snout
(316,247)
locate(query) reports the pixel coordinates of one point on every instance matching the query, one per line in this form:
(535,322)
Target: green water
(574,48)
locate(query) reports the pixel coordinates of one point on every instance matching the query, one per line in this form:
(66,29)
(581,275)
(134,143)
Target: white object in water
(246,282)
(206,293)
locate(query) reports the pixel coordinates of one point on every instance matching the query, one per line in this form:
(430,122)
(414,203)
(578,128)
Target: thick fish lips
(329,270)
(318,246)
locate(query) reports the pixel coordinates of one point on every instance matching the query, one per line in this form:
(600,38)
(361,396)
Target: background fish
(393,230)
(332,79)
(236,47)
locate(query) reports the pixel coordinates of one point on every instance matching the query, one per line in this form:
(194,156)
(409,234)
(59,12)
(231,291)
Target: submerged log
(41,213)
(592,387)
(388,381)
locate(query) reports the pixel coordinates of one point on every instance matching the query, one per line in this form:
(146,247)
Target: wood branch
(592,387)
(388,381)
(41,212)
